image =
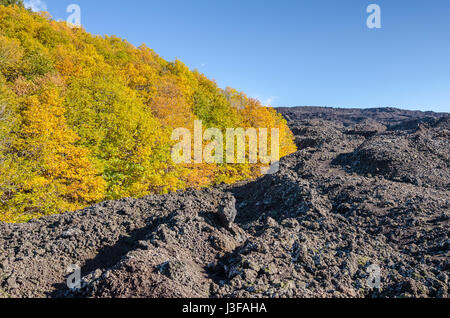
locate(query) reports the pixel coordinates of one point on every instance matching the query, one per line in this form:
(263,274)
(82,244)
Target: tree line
(86,118)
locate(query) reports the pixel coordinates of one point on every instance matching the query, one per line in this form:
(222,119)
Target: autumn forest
(87,118)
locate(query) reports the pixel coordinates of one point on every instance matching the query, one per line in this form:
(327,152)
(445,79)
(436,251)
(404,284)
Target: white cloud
(35,5)
(265,101)
(269,101)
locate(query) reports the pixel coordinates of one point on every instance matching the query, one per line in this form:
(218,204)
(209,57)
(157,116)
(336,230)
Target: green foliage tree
(85,118)
(12,2)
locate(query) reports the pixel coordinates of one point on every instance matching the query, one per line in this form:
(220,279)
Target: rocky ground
(367,188)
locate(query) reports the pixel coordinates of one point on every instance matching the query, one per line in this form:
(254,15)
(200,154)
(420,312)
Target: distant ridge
(386,115)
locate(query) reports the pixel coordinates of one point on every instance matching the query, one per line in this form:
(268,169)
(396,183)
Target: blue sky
(299,52)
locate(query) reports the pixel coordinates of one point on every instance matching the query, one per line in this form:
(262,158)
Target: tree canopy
(85,118)
(12,2)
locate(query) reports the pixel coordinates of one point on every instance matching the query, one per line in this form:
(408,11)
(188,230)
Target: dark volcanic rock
(367,188)
(227,211)
(419,158)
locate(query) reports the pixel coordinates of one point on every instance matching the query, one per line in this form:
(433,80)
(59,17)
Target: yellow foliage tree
(85,118)
(61,175)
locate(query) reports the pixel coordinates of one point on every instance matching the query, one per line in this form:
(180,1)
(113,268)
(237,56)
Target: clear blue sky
(302,52)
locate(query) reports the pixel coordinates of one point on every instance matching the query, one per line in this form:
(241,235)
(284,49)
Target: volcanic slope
(368,188)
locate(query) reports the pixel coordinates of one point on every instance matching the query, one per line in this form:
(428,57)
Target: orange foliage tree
(85,118)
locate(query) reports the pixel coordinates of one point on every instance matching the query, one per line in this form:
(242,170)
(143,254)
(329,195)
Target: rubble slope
(368,187)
